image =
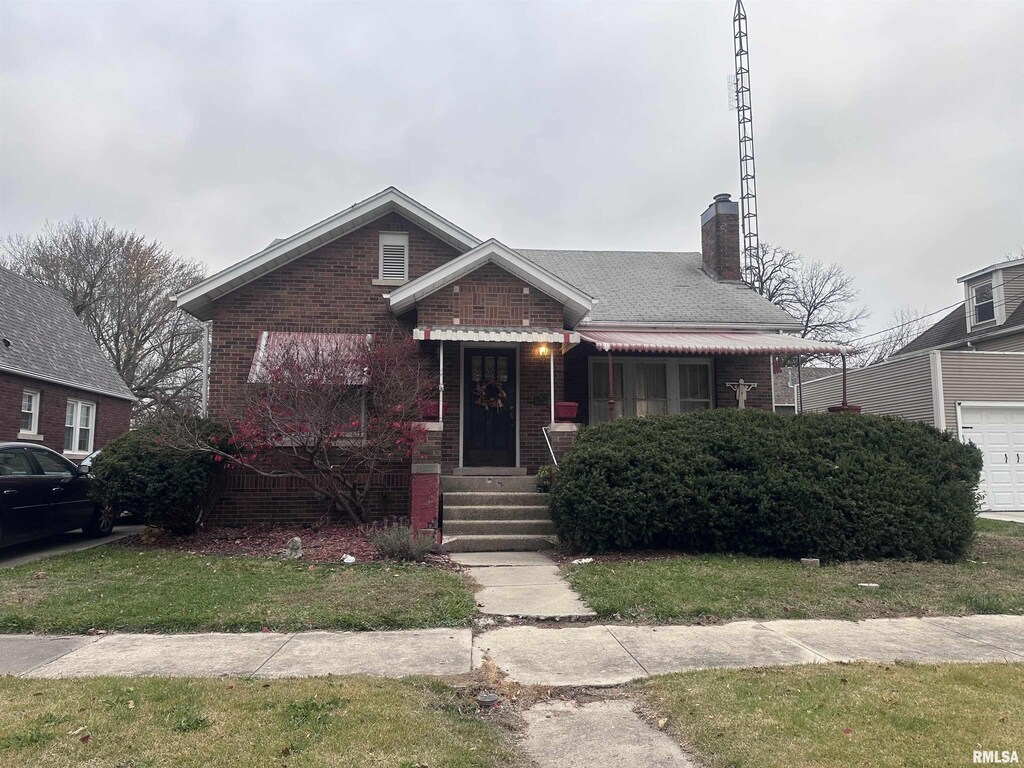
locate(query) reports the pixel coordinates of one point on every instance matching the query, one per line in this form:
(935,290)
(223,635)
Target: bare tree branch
(119,284)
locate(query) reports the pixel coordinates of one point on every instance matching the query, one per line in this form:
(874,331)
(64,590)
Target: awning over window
(709,343)
(469,333)
(277,346)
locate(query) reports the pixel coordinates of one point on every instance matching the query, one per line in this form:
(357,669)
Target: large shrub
(165,488)
(834,486)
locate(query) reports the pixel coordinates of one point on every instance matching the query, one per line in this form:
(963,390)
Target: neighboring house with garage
(965,374)
(786,383)
(56,387)
(528,343)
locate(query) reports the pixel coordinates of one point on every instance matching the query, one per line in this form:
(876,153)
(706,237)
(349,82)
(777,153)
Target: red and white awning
(469,333)
(710,343)
(275,347)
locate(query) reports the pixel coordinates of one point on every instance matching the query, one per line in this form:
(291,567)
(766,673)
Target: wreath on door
(490,394)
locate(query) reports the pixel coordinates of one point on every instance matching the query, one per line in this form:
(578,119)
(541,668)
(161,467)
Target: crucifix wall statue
(741,388)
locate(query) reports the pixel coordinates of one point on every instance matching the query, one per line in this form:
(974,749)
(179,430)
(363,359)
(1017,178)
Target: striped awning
(710,343)
(337,351)
(470,333)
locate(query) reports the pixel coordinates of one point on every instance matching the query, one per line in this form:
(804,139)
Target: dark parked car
(42,493)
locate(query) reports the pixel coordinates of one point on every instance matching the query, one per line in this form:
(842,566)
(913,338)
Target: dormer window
(394,256)
(984,304)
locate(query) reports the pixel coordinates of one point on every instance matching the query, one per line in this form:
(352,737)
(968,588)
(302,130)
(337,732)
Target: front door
(489,402)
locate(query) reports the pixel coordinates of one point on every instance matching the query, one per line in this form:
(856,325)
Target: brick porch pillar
(425,482)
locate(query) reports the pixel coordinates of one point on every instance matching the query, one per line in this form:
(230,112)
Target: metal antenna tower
(745,121)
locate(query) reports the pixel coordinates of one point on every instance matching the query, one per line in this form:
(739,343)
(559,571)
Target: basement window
(984,305)
(394,256)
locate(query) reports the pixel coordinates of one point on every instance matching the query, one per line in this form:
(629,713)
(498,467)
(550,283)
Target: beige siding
(897,388)
(1011,342)
(1013,287)
(980,376)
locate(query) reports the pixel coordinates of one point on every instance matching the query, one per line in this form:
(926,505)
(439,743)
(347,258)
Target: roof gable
(45,340)
(198,299)
(575,302)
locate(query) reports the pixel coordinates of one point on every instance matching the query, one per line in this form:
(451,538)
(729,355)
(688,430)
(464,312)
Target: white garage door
(999,432)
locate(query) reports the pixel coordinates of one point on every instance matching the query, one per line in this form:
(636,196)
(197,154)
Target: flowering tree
(329,410)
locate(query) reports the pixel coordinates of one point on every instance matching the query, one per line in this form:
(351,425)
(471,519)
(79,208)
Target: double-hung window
(29,423)
(79,426)
(646,386)
(984,302)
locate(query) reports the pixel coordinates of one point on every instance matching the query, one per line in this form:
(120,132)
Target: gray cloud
(887,133)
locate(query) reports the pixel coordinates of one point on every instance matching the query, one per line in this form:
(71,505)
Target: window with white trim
(29,412)
(648,386)
(79,426)
(984,302)
(394,256)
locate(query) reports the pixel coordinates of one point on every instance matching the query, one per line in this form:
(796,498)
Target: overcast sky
(888,134)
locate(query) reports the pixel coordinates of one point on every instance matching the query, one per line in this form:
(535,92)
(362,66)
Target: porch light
(542,350)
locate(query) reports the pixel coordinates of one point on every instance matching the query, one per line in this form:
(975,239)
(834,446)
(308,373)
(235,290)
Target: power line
(932,314)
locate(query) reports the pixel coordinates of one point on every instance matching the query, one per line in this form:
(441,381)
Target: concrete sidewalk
(594,655)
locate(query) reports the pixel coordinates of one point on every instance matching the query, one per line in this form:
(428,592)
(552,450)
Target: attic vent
(394,256)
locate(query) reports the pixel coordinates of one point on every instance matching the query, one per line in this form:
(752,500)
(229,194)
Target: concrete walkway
(1009,517)
(594,655)
(521,584)
(61,544)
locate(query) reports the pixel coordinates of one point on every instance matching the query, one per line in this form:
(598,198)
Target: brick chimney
(720,239)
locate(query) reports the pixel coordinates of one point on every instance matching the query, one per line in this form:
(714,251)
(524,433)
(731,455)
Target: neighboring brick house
(964,374)
(56,387)
(532,328)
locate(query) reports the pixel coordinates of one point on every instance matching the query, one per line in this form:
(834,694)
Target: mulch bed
(321,544)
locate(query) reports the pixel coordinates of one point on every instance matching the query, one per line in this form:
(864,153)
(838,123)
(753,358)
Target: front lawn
(228,723)
(709,588)
(141,590)
(838,715)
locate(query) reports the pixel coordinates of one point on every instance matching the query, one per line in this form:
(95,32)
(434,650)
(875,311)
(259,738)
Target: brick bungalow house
(616,333)
(56,387)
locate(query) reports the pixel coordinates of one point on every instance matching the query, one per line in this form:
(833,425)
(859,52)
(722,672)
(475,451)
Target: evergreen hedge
(164,488)
(833,486)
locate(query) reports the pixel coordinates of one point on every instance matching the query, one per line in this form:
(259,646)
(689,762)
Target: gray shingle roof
(952,330)
(48,342)
(658,287)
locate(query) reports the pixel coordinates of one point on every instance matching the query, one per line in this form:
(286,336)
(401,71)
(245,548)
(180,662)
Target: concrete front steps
(487,513)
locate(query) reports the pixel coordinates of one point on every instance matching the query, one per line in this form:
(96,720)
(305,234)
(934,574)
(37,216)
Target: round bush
(165,488)
(833,486)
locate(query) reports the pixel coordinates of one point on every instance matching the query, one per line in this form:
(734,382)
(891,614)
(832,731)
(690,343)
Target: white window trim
(392,238)
(75,452)
(626,401)
(32,433)
(972,294)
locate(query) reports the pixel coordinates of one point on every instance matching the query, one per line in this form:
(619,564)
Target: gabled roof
(951,331)
(198,299)
(41,338)
(991,268)
(575,302)
(660,289)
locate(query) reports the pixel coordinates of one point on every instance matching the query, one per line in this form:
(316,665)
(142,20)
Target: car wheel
(102,523)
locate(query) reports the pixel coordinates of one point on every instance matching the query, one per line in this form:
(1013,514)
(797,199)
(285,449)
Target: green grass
(152,722)
(128,590)
(709,588)
(839,715)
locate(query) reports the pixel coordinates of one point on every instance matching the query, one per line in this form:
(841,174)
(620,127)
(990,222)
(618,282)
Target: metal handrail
(547,440)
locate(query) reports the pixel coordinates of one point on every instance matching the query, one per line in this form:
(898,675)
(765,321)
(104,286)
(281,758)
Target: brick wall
(750,369)
(490,296)
(113,415)
(720,242)
(329,290)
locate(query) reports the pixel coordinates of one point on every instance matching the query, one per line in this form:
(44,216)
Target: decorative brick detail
(490,296)
(113,415)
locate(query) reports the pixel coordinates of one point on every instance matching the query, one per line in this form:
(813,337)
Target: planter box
(565,411)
